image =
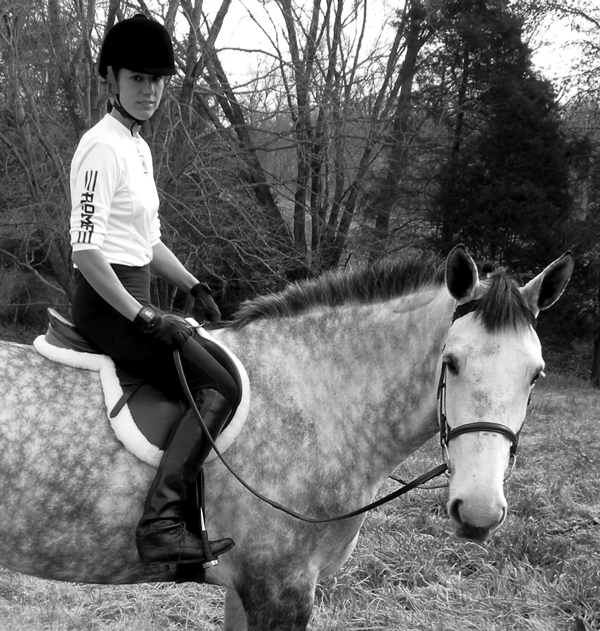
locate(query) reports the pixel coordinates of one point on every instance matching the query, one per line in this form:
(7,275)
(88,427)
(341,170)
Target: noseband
(446,432)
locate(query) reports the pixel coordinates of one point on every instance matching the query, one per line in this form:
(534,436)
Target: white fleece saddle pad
(123,424)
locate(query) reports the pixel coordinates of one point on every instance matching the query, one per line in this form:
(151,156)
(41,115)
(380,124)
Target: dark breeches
(139,353)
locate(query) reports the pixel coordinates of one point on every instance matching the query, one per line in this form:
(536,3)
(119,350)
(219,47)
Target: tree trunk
(252,170)
(446,231)
(389,191)
(337,233)
(596,358)
(596,362)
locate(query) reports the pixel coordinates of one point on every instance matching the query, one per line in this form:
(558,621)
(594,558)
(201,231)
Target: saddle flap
(128,414)
(63,334)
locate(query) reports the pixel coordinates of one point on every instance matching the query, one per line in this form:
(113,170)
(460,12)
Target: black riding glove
(169,329)
(201,292)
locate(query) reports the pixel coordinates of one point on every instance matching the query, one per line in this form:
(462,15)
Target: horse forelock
(376,282)
(502,305)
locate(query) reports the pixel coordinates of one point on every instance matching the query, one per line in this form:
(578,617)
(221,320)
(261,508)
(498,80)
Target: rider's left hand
(201,292)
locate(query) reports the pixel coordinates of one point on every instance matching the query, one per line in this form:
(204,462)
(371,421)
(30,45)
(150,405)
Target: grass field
(541,572)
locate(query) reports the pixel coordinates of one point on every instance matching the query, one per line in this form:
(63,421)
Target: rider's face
(140,93)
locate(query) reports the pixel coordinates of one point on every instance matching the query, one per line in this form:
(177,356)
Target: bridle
(446,432)
(446,435)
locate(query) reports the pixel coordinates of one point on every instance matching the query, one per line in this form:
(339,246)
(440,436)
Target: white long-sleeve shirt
(113,194)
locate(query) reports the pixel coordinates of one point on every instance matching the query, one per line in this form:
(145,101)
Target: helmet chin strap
(112,79)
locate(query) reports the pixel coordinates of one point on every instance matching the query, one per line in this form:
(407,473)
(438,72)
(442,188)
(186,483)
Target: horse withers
(345,373)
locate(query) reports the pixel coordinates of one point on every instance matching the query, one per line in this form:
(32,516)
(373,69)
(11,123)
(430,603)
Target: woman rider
(115,236)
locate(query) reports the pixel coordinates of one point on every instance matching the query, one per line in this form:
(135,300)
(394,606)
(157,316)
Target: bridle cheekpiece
(446,432)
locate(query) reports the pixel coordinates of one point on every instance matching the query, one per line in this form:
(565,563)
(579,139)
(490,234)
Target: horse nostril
(454,511)
(467,527)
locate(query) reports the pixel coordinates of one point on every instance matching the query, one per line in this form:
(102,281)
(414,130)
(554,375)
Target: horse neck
(398,354)
(359,380)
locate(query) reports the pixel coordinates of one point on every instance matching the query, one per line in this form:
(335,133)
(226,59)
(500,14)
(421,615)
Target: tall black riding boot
(161,534)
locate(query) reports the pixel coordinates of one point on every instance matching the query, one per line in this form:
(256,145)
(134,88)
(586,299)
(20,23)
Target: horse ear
(546,288)
(461,274)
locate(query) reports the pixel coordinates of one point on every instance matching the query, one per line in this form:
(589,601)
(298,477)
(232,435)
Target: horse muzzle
(479,464)
(475,522)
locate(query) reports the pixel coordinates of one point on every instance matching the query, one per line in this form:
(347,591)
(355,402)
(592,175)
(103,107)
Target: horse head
(491,361)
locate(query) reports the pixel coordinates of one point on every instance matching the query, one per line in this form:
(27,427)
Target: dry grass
(541,572)
(29,604)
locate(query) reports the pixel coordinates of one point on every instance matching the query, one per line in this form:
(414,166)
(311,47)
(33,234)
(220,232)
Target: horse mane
(375,282)
(502,305)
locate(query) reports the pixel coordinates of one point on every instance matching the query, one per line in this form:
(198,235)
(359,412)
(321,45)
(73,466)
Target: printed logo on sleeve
(87,207)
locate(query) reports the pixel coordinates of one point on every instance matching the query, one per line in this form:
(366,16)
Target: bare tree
(342,95)
(328,104)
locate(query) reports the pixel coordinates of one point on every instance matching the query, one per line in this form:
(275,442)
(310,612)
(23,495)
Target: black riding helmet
(138,44)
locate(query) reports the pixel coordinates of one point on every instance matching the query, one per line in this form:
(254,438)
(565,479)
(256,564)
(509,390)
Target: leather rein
(446,434)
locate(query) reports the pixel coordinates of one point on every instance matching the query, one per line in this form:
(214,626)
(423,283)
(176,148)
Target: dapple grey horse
(344,373)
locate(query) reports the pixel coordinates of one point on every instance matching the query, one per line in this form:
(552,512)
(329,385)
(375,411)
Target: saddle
(141,415)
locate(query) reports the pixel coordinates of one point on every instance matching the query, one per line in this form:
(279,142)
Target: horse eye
(539,374)
(451,366)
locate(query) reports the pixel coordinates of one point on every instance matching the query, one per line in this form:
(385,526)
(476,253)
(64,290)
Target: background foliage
(340,135)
